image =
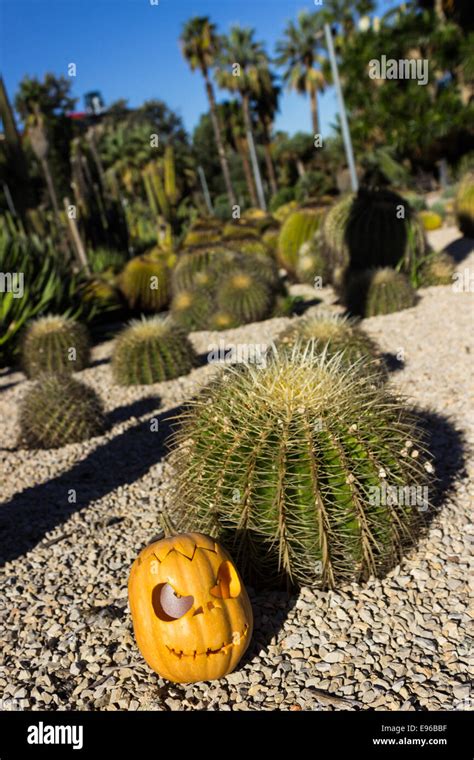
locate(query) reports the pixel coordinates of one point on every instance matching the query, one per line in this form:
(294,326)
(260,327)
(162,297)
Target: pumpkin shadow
(33,512)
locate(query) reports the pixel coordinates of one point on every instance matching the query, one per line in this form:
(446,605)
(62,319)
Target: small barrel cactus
(145,283)
(55,344)
(191,267)
(298,228)
(437,269)
(239,231)
(248,245)
(312,263)
(465,205)
(150,351)
(378,291)
(59,410)
(301,468)
(430,220)
(192,308)
(246,297)
(334,333)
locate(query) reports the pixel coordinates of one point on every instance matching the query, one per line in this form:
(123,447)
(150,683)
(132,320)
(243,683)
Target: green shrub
(281,198)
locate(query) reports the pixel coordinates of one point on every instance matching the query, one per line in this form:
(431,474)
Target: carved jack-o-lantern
(191,613)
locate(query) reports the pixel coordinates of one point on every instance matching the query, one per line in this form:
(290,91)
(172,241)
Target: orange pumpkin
(191,613)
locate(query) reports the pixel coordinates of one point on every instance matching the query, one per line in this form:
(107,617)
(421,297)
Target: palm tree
(252,77)
(236,136)
(299,52)
(200,46)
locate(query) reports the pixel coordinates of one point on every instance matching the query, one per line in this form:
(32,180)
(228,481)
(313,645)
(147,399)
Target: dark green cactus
(245,297)
(55,344)
(372,229)
(145,283)
(200,267)
(192,309)
(59,410)
(151,351)
(378,291)
(334,333)
(288,466)
(437,269)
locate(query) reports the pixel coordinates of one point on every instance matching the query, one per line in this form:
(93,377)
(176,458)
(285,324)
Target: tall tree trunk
(300,167)
(314,111)
(219,142)
(249,130)
(243,150)
(50,185)
(268,159)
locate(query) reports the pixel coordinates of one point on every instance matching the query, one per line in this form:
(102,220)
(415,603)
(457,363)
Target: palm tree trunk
(249,130)
(300,167)
(219,142)
(269,160)
(314,111)
(243,150)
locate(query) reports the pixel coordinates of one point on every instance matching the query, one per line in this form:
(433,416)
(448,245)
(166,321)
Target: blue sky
(129,48)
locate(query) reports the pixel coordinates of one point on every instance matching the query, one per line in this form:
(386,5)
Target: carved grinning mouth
(220,650)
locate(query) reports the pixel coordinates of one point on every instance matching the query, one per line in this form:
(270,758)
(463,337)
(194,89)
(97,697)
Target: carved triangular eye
(168,604)
(228,584)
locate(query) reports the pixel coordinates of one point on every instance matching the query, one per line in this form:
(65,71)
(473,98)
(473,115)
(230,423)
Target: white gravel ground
(65,632)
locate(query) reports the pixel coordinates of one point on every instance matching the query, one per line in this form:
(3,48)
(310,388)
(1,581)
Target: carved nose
(199,611)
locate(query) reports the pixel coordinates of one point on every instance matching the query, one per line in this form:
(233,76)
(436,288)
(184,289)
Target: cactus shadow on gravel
(30,514)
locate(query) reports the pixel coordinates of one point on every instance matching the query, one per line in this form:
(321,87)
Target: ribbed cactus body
(298,228)
(192,268)
(333,333)
(312,263)
(378,291)
(245,297)
(465,205)
(55,344)
(287,465)
(59,410)
(151,351)
(372,229)
(234,231)
(437,269)
(145,283)
(192,308)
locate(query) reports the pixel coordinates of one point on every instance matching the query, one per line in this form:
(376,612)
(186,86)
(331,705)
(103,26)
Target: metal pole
(256,171)
(342,111)
(205,190)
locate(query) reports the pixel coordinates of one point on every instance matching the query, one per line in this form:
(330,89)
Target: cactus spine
(287,465)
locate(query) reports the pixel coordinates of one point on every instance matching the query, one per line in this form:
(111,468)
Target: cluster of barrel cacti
(288,464)
(219,288)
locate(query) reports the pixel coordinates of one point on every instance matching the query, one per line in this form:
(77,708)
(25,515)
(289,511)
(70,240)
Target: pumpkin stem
(167,524)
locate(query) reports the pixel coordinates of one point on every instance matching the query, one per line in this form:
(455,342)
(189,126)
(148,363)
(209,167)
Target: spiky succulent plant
(239,231)
(312,262)
(59,410)
(437,269)
(55,344)
(372,229)
(246,297)
(150,351)
(378,291)
(145,283)
(200,267)
(297,229)
(335,333)
(465,205)
(289,466)
(192,308)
